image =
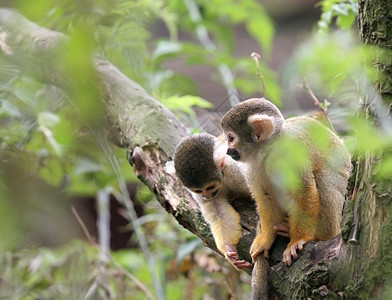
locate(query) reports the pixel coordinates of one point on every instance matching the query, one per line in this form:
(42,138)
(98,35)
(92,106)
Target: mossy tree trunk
(333,268)
(375,25)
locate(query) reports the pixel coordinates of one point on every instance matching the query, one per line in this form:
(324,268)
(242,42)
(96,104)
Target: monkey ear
(263,126)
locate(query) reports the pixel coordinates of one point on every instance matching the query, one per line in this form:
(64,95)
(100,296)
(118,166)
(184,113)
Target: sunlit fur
(314,205)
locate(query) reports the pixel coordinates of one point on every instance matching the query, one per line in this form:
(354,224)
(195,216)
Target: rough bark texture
(375,23)
(150,134)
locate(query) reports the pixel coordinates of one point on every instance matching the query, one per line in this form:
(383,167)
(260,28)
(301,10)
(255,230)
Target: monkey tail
(260,279)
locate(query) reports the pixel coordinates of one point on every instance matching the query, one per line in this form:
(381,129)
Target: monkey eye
(211,187)
(198,191)
(231,138)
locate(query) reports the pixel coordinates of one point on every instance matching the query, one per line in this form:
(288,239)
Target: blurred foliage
(335,66)
(344,11)
(50,151)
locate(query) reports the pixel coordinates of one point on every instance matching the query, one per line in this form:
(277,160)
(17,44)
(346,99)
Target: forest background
(75,222)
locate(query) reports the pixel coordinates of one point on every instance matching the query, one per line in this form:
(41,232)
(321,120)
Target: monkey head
(196,165)
(250,125)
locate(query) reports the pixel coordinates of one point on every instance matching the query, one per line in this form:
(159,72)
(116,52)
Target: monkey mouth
(233,153)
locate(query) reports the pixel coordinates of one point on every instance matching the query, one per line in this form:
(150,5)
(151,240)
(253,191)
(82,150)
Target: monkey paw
(231,255)
(291,250)
(260,244)
(282,229)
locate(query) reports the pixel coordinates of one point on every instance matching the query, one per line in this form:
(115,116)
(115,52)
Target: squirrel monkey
(295,168)
(214,179)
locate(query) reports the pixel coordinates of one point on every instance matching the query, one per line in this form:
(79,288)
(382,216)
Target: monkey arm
(226,229)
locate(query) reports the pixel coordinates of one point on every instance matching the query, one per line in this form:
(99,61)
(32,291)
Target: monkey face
(232,145)
(209,190)
(249,126)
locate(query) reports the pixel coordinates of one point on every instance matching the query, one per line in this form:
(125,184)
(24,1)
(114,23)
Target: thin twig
(256,57)
(317,103)
(126,273)
(84,228)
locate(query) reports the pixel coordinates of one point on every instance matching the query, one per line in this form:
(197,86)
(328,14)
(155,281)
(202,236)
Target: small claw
(301,245)
(292,251)
(287,257)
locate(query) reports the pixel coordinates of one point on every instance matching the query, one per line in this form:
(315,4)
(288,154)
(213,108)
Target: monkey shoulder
(325,148)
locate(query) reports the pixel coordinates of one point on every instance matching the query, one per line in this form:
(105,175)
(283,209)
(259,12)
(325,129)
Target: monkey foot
(232,255)
(291,250)
(260,244)
(282,229)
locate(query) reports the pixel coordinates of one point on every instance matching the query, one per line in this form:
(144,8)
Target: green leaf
(9,109)
(48,119)
(187,248)
(365,137)
(165,48)
(52,171)
(385,167)
(84,165)
(262,30)
(185,103)
(346,21)
(46,122)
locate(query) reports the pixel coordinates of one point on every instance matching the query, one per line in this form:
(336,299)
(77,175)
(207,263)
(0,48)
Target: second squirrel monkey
(214,179)
(295,167)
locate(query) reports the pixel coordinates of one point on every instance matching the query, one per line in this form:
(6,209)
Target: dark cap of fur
(194,161)
(236,119)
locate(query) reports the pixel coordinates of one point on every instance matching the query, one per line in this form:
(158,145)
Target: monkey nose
(233,153)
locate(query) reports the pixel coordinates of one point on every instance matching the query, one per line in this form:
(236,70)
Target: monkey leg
(332,189)
(303,221)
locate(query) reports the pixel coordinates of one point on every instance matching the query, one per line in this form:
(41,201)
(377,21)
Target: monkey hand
(233,257)
(291,250)
(261,243)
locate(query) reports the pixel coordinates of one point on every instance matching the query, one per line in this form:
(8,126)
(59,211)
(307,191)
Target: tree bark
(150,134)
(375,23)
